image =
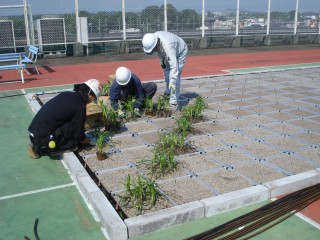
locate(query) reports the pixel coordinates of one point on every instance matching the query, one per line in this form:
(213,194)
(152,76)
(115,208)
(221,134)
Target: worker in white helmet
(128,85)
(59,124)
(172,51)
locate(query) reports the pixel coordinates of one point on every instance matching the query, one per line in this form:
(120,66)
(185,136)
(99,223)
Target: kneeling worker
(128,85)
(59,124)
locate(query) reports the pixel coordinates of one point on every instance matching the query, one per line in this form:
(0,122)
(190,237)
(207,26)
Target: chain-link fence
(88,21)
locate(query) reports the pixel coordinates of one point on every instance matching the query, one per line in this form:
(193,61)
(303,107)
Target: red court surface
(149,69)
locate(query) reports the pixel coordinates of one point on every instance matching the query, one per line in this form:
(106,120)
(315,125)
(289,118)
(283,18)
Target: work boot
(166,92)
(31,152)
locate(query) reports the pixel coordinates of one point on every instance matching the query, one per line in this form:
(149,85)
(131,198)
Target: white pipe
(165,16)
(268,17)
(237,17)
(76,6)
(296,18)
(25,12)
(32,41)
(203,9)
(124,20)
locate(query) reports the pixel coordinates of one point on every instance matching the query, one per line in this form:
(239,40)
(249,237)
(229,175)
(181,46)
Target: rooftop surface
(268,97)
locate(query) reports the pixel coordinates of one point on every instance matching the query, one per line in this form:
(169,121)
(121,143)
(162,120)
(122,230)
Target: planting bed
(255,130)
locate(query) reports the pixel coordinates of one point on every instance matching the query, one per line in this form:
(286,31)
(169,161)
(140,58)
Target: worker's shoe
(173,106)
(32,152)
(167,92)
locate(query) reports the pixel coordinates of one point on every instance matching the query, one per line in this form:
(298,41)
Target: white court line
(36,191)
(308,220)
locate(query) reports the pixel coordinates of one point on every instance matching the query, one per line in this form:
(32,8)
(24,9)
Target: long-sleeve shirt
(132,89)
(65,107)
(173,50)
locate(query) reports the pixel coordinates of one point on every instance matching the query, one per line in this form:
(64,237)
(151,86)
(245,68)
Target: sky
(56,6)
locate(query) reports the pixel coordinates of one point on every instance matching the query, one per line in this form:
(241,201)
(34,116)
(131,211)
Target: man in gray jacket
(172,51)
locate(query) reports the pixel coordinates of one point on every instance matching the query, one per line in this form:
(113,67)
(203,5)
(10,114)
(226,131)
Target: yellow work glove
(172,87)
(120,113)
(137,112)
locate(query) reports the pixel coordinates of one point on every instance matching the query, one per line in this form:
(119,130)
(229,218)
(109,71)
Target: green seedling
(106,89)
(184,125)
(194,111)
(163,106)
(128,105)
(200,103)
(110,117)
(148,104)
(171,141)
(103,141)
(140,194)
(162,163)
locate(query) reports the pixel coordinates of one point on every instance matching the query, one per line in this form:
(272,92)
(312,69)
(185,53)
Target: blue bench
(31,58)
(13,57)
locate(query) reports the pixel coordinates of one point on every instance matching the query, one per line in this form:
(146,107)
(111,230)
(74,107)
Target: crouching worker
(128,85)
(59,124)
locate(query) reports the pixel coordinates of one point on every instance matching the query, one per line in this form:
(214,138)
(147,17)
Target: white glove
(120,113)
(172,87)
(137,112)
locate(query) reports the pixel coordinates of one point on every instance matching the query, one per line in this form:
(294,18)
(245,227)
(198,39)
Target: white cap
(95,86)
(149,42)
(123,75)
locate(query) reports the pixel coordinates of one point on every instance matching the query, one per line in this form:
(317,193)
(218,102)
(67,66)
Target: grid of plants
(140,190)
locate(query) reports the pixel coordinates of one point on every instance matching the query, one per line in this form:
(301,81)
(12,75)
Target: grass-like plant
(171,141)
(184,125)
(140,194)
(148,103)
(194,111)
(163,106)
(102,141)
(110,117)
(162,163)
(200,103)
(105,89)
(128,106)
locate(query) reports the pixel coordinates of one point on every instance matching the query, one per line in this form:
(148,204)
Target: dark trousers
(149,90)
(61,137)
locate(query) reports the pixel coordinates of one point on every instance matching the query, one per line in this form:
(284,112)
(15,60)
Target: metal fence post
(124,20)
(76,4)
(296,18)
(268,17)
(25,12)
(237,17)
(165,16)
(203,11)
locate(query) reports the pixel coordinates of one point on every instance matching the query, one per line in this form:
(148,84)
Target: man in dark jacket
(59,125)
(126,85)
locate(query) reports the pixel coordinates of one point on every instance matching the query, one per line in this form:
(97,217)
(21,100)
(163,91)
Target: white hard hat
(123,75)
(95,86)
(149,42)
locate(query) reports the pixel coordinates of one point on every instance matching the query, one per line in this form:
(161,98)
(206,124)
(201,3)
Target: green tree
(150,18)
(190,18)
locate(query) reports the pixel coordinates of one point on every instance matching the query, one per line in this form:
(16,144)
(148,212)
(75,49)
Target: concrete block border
(234,200)
(118,229)
(165,218)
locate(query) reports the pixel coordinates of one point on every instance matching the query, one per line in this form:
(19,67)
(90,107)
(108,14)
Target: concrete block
(74,166)
(163,219)
(77,49)
(234,200)
(110,219)
(236,41)
(88,187)
(293,183)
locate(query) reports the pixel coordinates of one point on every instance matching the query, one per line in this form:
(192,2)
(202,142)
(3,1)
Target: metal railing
(101,21)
